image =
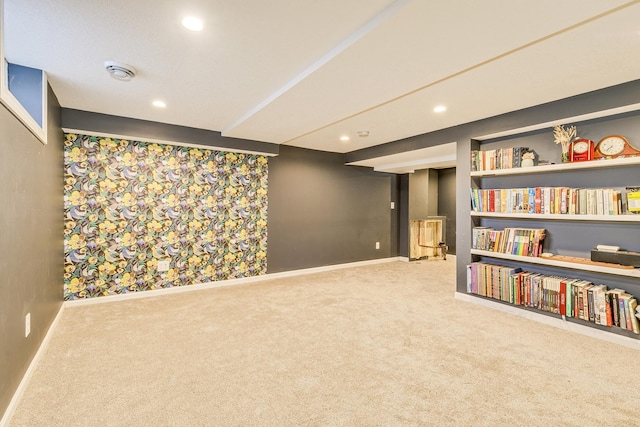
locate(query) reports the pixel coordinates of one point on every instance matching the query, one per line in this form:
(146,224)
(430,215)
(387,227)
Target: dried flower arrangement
(564,136)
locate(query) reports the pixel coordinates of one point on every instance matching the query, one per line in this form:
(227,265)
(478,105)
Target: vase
(565,153)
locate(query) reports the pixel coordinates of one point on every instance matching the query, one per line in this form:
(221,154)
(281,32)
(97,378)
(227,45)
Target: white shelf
(593,164)
(560,217)
(564,264)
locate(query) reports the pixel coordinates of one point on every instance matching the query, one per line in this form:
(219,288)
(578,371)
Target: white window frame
(10,101)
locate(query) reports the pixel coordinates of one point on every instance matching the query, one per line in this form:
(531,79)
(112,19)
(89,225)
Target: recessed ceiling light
(440,109)
(192,23)
(158,103)
(344,138)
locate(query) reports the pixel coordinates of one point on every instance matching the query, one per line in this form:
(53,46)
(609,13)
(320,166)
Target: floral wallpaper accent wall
(130,204)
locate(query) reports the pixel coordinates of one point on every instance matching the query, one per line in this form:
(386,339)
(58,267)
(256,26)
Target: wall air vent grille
(120,71)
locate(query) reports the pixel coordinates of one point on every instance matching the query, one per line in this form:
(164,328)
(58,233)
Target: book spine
(599,202)
(569,299)
(633,199)
(635,325)
(577,311)
(592,205)
(602,305)
(582,198)
(585,302)
(607,307)
(581,307)
(572,201)
(492,200)
(531,208)
(615,309)
(592,312)
(546,200)
(517,157)
(621,313)
(628,314)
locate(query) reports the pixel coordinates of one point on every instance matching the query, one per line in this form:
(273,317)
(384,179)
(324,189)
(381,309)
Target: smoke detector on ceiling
(120,71)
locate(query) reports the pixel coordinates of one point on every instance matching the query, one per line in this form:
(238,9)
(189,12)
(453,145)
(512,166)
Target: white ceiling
(304,73)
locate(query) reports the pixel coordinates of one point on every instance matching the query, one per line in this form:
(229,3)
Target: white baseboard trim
(551,321)
(27,375)
(230,282)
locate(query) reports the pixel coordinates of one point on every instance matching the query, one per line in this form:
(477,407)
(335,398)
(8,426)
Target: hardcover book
(633,199)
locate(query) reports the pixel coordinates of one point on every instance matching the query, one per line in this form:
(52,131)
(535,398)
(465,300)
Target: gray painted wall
(419,194)
(434,187)
(403,217)
(394,232)
(447,204)
(31,248)
(322,212)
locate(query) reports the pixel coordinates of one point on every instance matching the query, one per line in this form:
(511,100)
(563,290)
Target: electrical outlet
(164,265)
(377,245)
(27,325)
(393,205)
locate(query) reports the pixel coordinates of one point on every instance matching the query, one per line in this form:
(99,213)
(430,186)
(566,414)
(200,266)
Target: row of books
(549,200)
(511,240)
(502,158)
(575,298)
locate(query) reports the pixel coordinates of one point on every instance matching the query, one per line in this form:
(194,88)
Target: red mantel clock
(581,149)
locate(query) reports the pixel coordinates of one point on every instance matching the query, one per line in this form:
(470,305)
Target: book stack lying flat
(568,297)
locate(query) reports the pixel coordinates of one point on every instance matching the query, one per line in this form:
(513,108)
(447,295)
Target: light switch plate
(27,325)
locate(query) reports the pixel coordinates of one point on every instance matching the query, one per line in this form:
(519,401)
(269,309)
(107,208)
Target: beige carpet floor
(381,345)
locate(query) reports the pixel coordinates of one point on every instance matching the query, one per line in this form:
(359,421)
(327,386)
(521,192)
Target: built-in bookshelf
(571,236)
